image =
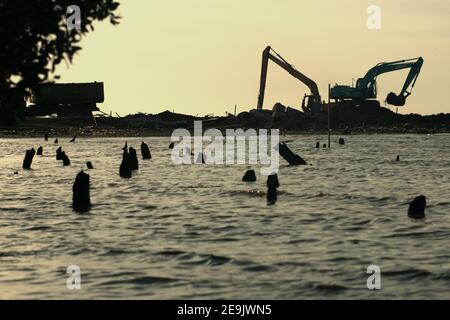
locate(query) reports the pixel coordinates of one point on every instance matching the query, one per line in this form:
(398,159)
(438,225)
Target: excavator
(366,87)
(311,102)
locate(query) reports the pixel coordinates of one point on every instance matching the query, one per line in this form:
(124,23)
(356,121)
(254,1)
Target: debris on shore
(345,120)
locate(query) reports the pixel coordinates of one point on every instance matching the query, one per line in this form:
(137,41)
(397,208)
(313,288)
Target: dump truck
(66,99)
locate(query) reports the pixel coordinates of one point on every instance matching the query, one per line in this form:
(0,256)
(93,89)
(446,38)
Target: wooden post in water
(329,118)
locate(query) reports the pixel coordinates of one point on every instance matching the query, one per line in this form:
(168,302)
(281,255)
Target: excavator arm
(314,98)
(415,65)
(400,99)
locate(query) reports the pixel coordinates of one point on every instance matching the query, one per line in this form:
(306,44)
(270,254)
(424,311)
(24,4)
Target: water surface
(175,232)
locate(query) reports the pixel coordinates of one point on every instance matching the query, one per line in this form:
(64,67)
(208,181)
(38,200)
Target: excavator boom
(314,98)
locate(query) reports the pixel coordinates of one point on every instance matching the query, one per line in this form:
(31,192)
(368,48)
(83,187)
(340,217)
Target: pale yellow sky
(204,56)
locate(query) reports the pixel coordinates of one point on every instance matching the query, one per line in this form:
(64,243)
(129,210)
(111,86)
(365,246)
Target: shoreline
(22,133)
(290,122)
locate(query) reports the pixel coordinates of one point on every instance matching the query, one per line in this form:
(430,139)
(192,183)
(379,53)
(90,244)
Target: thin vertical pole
(329,118)
(235,106)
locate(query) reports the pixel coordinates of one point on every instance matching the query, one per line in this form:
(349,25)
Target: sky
(204,56)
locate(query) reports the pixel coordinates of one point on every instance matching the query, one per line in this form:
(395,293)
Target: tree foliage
(35,38)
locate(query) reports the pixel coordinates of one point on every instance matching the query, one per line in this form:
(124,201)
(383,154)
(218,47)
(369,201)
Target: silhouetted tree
(35,38)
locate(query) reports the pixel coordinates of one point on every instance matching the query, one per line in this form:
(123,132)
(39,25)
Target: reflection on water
(199,232)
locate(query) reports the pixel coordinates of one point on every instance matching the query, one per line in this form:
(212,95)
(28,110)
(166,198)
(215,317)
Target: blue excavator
(366,87)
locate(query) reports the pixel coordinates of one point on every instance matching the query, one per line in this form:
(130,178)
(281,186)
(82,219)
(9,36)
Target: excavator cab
(311,103)
(370,92)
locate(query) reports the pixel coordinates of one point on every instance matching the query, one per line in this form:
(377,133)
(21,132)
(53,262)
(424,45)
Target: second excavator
(311,102)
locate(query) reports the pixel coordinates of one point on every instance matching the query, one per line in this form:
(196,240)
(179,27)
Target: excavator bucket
(395,100)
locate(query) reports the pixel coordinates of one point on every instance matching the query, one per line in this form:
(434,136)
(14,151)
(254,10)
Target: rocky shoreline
(287,120)
(116,132)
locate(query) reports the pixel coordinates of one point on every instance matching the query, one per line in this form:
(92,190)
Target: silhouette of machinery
(363,94)
(310,103)
(66,99)
(366,87)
